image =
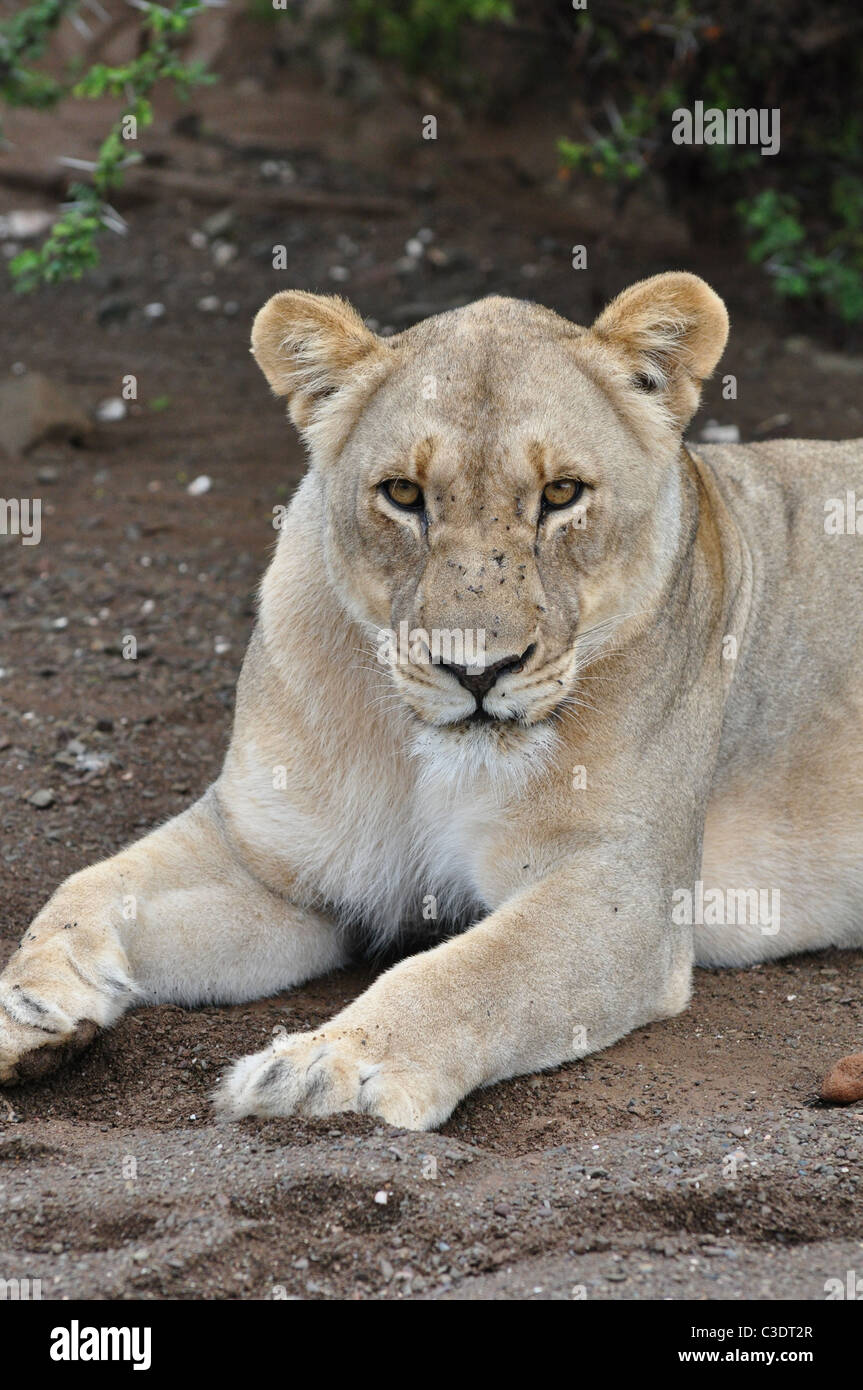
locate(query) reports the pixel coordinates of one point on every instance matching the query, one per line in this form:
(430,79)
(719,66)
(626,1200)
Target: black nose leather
(481,682)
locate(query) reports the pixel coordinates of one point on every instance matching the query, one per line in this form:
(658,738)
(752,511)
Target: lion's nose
(479,682)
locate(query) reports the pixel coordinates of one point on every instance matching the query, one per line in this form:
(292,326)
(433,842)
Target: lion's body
(681,728)
(786,807)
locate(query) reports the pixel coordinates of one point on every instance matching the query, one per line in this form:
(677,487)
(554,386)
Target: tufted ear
(670,332)
(308,345)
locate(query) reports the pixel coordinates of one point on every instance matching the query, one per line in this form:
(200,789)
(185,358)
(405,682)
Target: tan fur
(680,702)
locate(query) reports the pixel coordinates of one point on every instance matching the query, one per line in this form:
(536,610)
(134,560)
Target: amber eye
(403,493)
(562,492)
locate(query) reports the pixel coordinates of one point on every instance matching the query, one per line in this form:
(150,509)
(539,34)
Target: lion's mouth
(482,716)
(480,720)
(512,722)
(509,724)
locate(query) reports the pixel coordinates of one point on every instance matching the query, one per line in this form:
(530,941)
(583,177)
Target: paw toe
(322,1077)
(21,1061)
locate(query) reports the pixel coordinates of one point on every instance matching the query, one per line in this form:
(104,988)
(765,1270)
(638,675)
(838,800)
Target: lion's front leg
(560,970)
(69,977)
(175,918)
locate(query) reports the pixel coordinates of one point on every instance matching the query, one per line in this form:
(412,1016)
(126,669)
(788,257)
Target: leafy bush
(70,248)
(801,216)
(422,35)
(778,241)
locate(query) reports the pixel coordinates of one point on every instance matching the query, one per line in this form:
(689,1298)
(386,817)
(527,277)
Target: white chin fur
(487,757)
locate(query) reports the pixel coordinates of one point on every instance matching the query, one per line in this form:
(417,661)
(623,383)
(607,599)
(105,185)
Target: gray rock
(42,798)
(34,408)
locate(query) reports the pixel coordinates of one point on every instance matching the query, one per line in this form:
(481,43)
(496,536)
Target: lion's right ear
(669,332)
(308,345)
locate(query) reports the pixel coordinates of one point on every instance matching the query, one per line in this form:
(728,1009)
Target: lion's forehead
(496,317)
(478,415)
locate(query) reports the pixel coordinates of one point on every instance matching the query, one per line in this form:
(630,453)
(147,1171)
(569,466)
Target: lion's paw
(26,1054)
(52,1003)
(322,1073)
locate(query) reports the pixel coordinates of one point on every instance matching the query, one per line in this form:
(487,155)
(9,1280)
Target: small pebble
(114,408)
(714,433)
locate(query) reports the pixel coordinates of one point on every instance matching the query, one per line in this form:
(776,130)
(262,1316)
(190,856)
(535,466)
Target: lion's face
(499,486)
(491,505)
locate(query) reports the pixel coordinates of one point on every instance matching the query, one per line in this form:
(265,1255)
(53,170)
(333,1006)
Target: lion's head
(497,483)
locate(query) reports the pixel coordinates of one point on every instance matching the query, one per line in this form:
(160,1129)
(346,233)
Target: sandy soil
(693,1159)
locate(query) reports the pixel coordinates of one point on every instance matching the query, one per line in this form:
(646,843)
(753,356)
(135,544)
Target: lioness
(668,714)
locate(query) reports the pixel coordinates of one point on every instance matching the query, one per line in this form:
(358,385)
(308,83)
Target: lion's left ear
(670,332)
(308,345)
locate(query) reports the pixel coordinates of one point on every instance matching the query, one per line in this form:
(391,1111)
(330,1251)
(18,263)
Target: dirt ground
(693,1159)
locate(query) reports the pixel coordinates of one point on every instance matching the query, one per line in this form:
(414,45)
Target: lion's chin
(487,754)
